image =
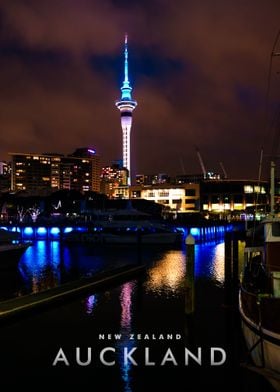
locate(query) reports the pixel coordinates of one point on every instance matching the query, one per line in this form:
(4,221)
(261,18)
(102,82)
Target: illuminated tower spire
(126,106)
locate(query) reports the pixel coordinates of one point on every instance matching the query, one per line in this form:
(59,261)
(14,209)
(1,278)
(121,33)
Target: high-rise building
(86,170)
(114,180)
(5,168)
(45,173)
(126,105)
(5,176)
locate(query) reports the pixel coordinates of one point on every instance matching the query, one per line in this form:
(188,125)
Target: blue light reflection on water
(210,261)
(47,264)
(39,266)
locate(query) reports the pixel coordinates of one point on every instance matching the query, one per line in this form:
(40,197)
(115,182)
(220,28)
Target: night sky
(199,71)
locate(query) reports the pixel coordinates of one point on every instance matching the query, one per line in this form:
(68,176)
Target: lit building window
(176,201)
(259,189)
(248,189)
(151,194)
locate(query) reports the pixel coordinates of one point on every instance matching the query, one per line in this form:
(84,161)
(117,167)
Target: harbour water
(148,313)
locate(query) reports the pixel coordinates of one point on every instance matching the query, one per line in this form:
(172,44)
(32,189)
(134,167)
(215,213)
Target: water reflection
(209,262)
(168,273)
(218,269)
(39,266)
(90,303)
(47,264)
(126,304)
(126,319)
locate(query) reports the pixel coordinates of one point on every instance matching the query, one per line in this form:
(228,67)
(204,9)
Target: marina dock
(20,305)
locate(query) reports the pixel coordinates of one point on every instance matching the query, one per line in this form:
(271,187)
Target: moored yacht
(259,297)
(127,227)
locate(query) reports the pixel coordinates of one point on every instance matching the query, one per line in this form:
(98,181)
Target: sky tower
(126,105)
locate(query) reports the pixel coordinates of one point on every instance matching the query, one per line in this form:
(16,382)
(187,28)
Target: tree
(21,212)
(34,212)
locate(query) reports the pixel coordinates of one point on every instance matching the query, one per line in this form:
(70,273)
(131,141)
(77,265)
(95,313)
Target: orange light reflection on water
(168,273)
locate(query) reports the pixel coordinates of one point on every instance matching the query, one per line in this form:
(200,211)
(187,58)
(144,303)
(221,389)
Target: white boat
(259,298)
(127,226)
(143,233)
(127,233)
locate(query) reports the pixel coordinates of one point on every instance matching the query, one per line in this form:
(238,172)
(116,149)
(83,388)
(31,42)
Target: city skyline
(200,72)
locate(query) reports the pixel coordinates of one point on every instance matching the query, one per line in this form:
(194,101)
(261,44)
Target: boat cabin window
(276,229)
(253,256)
(254,274)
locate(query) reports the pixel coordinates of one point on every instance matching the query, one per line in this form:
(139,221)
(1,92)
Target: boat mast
(272,187)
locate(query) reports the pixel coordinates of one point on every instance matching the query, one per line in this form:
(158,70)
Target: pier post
(235,269)
(189,282)
(231,296)
(228,267)
(231,267)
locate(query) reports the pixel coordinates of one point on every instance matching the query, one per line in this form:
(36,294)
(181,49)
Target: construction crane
(223,169)
(201,163)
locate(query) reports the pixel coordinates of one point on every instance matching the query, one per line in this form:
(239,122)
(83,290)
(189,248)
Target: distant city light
(91,151)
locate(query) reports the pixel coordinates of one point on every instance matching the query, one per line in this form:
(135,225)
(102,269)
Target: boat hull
(263,343)
(11,254)
(121,236)
(149,239)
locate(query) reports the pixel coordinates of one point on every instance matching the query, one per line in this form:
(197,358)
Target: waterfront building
(234,197)
(45,173)
(126,105)
(219,199)
(175,198)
